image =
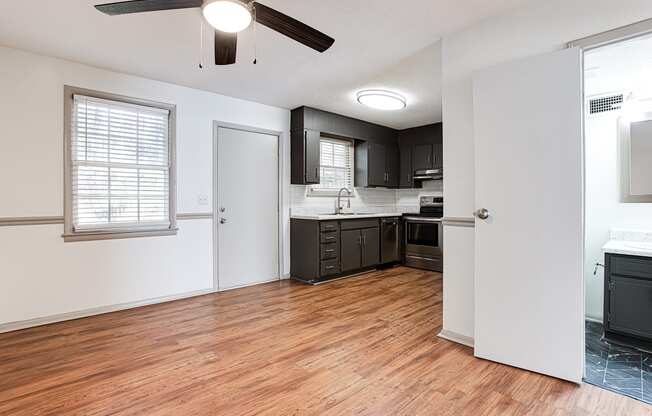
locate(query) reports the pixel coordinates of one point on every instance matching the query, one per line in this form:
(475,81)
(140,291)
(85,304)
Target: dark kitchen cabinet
(406,173)
(438,156)
(422,156)
(305,154)
(351,243)
(628,300)
(392,166)
(323,250)
(376,165)
(370,250)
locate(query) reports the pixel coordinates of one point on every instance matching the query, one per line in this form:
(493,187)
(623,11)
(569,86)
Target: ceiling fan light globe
(230,16)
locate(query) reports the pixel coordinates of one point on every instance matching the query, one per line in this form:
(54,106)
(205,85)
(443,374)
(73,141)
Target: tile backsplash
(364,199)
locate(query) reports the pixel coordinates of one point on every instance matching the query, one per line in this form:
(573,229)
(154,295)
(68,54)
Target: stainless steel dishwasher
(390,243)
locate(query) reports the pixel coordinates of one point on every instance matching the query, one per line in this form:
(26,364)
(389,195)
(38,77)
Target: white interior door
(247,202)
(529,175)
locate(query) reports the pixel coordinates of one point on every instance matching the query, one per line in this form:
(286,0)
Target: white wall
(40,275)
(530,30)
(364,199)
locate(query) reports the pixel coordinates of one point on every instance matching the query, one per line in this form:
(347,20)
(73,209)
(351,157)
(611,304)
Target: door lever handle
(223,220)
(482,213)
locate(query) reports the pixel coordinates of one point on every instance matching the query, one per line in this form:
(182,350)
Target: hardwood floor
(364,345)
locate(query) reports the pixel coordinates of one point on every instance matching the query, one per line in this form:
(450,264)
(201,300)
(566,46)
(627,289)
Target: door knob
(482,213)
(223,220)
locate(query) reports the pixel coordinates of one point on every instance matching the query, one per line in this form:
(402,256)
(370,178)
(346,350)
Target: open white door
(529,302)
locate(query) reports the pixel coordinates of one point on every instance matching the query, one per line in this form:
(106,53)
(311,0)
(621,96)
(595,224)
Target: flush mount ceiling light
(230,16)
(381,99)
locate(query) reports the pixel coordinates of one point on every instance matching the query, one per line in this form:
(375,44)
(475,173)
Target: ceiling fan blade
(226,45)
(139,6)
(292,28)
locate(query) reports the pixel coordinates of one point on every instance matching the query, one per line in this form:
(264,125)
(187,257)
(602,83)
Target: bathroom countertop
(630,248)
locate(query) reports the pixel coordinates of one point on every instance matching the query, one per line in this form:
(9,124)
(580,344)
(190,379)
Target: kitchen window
(336,166)
(120,173)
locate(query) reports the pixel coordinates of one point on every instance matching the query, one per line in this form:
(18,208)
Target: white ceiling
(381,43)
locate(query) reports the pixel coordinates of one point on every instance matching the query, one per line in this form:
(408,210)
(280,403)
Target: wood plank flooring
(360,346)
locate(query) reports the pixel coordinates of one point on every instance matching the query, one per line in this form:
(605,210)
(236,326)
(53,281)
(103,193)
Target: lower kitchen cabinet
(322,250)
(351,250)
(370,252)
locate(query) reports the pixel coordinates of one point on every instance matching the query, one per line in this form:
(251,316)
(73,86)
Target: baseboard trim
(226,289)
(455,337)
(68,316)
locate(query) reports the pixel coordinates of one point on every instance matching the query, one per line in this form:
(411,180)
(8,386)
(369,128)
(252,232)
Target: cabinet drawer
(329,226)
(330,267)
(330,251)
(330,237)
(631,266)
(359,224)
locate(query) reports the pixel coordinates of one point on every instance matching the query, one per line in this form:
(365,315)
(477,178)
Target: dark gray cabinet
(370,251)
(305,155)
(392,166)
(420,148)
(351,249)
(628,299)
(406,174)
(322,250)
(422,157)
(384,157)
(376,165)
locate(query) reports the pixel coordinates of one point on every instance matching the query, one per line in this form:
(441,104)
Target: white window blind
(336,164)
(120,165)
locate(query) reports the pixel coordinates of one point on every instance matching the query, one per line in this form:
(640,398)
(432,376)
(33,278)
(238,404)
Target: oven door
(423,243)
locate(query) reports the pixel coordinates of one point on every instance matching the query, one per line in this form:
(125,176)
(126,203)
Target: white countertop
(630,248)
(322,217)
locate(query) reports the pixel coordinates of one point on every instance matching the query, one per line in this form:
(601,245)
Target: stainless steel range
(424,235)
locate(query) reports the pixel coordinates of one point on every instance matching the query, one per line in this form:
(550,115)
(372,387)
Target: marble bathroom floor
(619,369)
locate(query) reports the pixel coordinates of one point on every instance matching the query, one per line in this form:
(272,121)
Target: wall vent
(604,104)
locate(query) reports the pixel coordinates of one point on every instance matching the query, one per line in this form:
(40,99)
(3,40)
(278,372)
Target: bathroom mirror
(636,161)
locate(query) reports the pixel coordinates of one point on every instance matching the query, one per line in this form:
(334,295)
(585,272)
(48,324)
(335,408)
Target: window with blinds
(120,166)
(336,165)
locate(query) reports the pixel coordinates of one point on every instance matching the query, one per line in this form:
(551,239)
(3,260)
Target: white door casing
(247,207)
(529,303)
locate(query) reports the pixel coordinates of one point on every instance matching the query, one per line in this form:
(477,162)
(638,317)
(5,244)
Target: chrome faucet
(339,208)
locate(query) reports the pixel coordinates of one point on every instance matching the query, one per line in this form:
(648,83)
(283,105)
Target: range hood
(428,174)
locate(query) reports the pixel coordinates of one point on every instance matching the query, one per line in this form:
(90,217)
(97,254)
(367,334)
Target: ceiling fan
(229,17)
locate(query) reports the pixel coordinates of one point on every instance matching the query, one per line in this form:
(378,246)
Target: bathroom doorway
(618,214)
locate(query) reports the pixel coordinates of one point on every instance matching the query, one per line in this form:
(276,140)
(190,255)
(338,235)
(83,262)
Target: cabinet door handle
(330,267)
(317,173)
(329,251)
(364,240)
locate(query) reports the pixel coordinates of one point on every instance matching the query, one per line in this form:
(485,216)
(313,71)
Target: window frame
(315,190)
(120,231)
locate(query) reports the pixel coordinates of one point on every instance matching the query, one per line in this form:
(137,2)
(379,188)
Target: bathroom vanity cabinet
(628,300)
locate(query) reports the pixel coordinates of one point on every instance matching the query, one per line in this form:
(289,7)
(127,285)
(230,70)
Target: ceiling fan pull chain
(255,38)
(201,44)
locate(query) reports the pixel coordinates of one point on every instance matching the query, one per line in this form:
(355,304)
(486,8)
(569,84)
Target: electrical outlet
(202,200)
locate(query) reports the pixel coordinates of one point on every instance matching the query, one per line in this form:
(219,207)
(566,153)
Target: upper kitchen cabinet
(309,124)
(376,165)
(305,156)
(406,172)
(422,157)
(420,148)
